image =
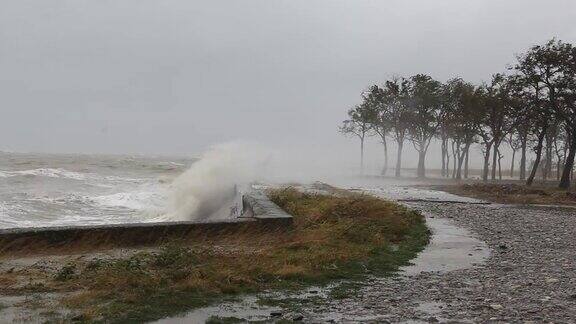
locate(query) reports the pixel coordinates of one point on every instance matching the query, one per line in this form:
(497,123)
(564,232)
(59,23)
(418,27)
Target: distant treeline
(531,107)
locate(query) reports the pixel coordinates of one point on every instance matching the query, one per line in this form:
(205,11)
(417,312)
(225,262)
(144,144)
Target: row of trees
(532,107)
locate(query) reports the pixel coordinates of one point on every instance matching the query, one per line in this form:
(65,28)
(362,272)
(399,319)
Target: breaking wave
(61,173)
(211,181)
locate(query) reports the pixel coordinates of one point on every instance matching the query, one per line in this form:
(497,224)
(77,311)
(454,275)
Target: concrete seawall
(259,213)
(256,205)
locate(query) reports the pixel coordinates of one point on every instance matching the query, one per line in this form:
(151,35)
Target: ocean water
(56,189)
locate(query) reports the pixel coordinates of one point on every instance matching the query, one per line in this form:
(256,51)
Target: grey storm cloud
(175,76)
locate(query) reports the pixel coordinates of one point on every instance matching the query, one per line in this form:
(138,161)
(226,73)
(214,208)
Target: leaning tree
(547,73)
(359,124)
(425,106)
(396,111)
(381,124)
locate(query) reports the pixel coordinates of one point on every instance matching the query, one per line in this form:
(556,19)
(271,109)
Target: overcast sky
(175,76)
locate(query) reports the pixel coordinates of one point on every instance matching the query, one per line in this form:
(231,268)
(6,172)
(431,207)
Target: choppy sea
(57,189)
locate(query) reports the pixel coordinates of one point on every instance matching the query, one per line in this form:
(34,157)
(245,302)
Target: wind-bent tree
(425,106)
(498,119)
(375,100)
(462,115)
(444,130)
(359,124)
(567,107)
(545,72)
(398,114)
(533,110)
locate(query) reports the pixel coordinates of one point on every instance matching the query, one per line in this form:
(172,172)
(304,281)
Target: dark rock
(276,314)
(298,318)
(78,318)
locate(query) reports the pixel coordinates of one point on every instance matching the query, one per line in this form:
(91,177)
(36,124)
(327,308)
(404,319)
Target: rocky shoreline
(529,277)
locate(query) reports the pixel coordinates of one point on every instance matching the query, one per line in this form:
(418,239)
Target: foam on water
(152,200)
(62,173)
(55,190)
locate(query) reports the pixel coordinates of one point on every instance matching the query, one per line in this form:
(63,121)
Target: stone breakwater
(258,213)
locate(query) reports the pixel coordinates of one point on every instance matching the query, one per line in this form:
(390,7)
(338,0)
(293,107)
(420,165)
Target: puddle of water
(451,248)
(23,308)
(248,309)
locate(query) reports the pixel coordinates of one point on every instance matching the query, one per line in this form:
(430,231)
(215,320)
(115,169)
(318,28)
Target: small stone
(496,306)
(276,314)
(552,280)
(298,318)
(432,319)
(78,318)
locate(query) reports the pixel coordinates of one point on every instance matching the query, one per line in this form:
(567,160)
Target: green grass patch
(333,238)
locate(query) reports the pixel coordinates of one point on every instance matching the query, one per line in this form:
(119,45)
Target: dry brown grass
(332,238)
(515,193)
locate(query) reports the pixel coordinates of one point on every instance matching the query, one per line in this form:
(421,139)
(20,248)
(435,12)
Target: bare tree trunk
(569,165)
(454,159)
(385,167)
(500,156)
(422,164)
(547,157)
(443,173)
(523,158)
(494,159)
(362,156)
(466,162)
(399,157)
(461,158)
(486,160)
(538,157)
(548,166)
(447,162)
(512,164)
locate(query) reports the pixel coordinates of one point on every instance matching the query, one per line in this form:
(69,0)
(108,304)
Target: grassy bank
(509,193)
(345,237)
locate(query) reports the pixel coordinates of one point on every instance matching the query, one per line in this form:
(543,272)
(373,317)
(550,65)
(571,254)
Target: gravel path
(530,275)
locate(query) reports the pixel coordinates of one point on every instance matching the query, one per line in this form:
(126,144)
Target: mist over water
(213,181)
